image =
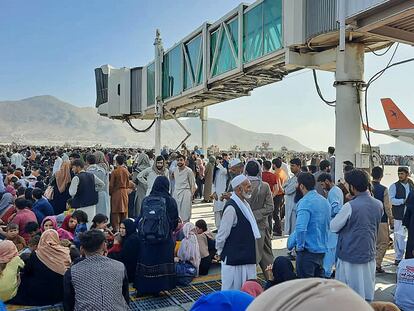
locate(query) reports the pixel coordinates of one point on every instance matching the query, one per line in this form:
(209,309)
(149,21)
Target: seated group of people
(39,253)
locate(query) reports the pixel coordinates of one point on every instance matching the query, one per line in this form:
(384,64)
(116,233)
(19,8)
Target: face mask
(298,195)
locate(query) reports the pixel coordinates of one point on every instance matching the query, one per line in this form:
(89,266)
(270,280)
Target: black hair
(312,168)
(74,253)
(307,180)
(181,156)
(348,168)
(20,203)
(12,226)
(252,168)
(99,218)
(377,172)
(358,179)
(267,165)
(277,162)
(304,169)
(348,163)
(331,150)
(324,176)
(31,226)
(20,191)
(201,223)
(403,169)
(91,240)
(34,240)
(296,161)
(260,161)
(120,159)
(91,159)
(78,163)
(324,165)
(37,193)
(74,155)
(80,216)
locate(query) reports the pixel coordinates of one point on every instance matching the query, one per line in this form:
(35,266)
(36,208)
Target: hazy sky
(51,47)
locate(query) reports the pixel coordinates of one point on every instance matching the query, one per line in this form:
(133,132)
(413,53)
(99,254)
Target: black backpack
(154,226)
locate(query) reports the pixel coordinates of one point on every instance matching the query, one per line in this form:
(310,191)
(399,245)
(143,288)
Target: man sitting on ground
(96,282)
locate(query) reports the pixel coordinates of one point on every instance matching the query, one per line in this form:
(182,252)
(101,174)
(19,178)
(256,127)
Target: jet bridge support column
(159,53)
(349,104)
(204,129)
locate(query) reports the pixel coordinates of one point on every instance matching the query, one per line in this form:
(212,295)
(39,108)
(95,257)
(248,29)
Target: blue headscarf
(228,300)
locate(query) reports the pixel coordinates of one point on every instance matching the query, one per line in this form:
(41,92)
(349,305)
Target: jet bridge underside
(233,86)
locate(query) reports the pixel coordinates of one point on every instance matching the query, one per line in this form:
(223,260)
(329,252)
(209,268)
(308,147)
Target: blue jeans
(309,265)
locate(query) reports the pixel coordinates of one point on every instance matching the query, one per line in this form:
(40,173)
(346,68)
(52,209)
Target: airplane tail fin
(395,117)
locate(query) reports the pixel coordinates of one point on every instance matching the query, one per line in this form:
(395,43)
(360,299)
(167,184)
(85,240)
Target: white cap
(238,180)
(234,162)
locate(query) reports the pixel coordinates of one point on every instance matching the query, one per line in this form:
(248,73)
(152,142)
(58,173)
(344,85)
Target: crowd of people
(125,215)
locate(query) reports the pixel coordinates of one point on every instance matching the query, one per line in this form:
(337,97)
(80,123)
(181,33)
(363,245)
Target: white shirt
(57,165)
(73,189)
(17,159)
(404,290)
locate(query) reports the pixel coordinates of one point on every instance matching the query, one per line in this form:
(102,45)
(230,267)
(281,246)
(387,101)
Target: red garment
(24,216)
(115,249)
(65,224)
(270,178)
(7,213)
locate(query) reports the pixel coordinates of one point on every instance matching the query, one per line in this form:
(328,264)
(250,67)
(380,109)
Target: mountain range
(46,120)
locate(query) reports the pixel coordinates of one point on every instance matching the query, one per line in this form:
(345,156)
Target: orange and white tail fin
(395,118)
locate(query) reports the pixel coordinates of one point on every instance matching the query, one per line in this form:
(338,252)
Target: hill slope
(48,120)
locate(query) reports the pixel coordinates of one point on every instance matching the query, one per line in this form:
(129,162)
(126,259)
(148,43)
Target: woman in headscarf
(155,266)
(60,185)
(129,247)
(208,179)
(189,248)
(142,162)
(10,265)
(50,222)
(42,277)
(311,295)
(6,202)
(69,224)
(282,271)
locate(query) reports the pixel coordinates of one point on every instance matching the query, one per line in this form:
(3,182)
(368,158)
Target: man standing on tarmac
(399,192)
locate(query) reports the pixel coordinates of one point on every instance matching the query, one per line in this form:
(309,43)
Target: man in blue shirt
(336,201)
(310,236)
(41,206)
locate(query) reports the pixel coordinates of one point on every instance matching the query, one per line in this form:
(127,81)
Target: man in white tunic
(184,189)
(218,189)
(357,227)
(236,237)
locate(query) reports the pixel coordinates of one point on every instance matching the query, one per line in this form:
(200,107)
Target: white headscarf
(189,248)
(247,212)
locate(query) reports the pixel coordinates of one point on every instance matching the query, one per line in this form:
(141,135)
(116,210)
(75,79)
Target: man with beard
(235,169)
(261,203)
(236,238)
(336,201)
(148,176)
(184,189)
(324,167)
(399,192)
(357,225)
(289,188)
(311,230)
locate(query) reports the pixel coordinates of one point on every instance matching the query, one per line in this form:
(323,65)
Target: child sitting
(49,222)
(12,234)
(32,229)
(206,245)
(82,219)
(10,264)
(189,250)
(32,246)
(100,222)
